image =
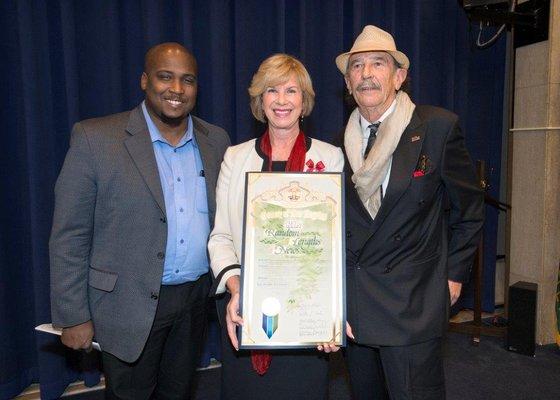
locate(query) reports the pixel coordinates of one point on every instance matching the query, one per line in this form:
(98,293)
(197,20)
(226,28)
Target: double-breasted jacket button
(160,255)
(388,269)
(162,219)
(348,234)
(154,295)
(397,238)
(358,266)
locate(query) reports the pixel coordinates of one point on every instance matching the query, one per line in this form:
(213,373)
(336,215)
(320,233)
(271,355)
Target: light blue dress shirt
(184,190)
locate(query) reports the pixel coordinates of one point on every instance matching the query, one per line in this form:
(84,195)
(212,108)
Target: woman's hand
(233,319)
(328,347)
(331,347)
(349,332)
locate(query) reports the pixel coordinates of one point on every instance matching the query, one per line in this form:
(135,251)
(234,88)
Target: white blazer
(225,241)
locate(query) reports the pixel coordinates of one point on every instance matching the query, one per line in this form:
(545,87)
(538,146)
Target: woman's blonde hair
(276,70)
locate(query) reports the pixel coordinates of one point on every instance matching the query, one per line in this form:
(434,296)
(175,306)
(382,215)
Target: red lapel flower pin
(312,167)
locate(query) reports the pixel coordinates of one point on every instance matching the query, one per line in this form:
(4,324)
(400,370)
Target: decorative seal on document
(270,310)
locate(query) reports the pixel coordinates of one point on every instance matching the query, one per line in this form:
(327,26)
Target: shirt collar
(156,136)
(364,123)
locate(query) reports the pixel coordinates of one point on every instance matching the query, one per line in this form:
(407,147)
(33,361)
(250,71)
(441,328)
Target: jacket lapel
(140,148)
(351,194)
(205,145)
(254,162)
(209,162)
(404,161)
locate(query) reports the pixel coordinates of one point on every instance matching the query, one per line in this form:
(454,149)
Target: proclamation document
(293,272)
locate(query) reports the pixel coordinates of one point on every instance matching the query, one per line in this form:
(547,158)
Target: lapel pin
(415,138)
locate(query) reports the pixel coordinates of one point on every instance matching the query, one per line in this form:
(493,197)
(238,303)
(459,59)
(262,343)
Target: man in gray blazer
(134,205)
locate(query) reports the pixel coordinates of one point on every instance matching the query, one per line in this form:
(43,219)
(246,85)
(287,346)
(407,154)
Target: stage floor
(486,372)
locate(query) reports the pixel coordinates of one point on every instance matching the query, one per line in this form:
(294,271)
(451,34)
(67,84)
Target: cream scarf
(370,173)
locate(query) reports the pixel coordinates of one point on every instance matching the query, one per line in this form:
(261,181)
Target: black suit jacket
(425,233)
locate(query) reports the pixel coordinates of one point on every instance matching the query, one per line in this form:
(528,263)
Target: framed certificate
(293,272)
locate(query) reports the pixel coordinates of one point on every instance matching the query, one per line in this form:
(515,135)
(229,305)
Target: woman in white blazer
(281,94)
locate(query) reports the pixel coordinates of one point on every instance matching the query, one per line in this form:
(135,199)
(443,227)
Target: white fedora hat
(373,39)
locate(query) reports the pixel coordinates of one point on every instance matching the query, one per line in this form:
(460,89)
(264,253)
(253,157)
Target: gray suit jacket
(110,228)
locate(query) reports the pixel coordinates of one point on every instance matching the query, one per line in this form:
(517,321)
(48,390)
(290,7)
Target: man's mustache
(368,84)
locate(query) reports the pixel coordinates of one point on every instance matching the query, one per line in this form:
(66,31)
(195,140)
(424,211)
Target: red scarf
(296,160)
(261,359)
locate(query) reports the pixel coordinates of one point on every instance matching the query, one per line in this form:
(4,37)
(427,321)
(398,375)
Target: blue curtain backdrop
(64,61)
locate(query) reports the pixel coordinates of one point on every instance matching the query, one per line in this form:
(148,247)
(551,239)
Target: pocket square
(423,167)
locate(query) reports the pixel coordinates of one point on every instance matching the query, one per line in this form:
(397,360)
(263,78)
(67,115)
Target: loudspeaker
(522,313)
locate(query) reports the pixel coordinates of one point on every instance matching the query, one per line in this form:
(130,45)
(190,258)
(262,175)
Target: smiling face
(170,84)
(283,105)
(373,79)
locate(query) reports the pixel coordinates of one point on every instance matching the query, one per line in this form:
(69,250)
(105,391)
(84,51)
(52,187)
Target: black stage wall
(63,61)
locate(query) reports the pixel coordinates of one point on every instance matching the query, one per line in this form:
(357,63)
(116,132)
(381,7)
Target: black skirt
(293,374)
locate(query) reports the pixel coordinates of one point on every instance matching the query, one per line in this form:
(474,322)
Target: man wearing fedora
(414,214)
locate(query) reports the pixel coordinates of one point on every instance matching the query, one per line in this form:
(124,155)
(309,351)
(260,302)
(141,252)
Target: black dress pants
(167,364)
(397,372)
